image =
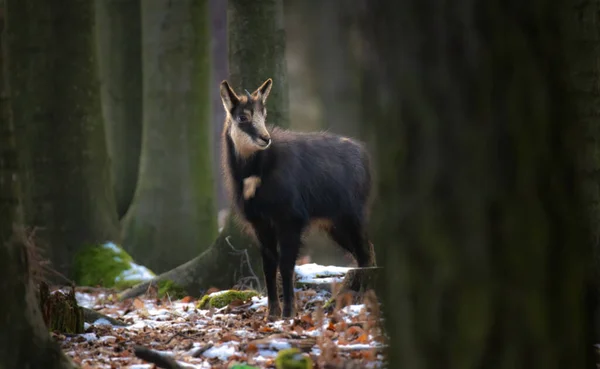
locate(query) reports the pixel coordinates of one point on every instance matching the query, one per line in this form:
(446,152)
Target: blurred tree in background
(119,42)
(172,217)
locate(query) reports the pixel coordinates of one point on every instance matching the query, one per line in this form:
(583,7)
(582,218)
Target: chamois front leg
(290,241)
(268,246)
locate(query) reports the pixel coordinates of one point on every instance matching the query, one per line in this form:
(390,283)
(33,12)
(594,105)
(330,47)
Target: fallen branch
(158,359)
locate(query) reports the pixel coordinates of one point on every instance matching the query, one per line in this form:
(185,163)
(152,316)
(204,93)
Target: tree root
(233,257)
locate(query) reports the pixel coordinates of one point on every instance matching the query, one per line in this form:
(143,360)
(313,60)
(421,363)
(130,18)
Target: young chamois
(281,182)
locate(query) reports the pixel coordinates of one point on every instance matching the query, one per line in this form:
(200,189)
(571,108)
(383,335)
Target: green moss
(169,287)
(105,265)
(224,298)
(292,359)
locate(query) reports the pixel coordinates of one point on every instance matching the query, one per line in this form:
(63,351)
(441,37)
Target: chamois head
(245,118)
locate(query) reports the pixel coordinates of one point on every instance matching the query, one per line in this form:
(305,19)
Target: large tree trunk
(59,127)
(120,62)
(172,218)
(221,266)
(586,79)
(479,221)
(24,342)
(257,52)
(220,71)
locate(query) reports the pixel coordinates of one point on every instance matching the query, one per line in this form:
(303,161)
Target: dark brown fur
(305,179)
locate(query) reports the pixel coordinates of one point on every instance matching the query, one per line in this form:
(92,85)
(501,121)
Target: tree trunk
(333,62)
(586,80)
(172,218)
(257,52)
(24,342)
(220,71)
(479,222)
(120,63)
(59,128)
(221,266)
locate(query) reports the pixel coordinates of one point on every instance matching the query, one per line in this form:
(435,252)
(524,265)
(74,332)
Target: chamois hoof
(274,312)
(250,185)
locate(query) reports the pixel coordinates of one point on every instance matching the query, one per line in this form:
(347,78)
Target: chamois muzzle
(263,141)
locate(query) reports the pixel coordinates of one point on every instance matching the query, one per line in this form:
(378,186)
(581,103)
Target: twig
(247,259)
(202,350)
(180,334)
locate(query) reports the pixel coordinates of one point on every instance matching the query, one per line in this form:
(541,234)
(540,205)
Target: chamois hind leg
(268,241)
(289,244)
(351,235)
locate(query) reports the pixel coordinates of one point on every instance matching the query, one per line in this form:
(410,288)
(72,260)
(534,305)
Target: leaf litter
(348,337)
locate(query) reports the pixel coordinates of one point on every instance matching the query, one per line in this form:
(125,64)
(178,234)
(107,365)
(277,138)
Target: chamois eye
(243,119)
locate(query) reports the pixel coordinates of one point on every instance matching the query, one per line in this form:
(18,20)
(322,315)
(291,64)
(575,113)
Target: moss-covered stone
(292,359)
(223,298)
(168,287)
(108,265)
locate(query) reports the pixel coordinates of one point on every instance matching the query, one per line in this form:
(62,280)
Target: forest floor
(238,333)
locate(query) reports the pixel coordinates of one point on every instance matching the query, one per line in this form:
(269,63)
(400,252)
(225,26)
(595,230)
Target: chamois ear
(263,91)
(228,97)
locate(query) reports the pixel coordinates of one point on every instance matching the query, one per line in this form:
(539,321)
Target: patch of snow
(315,273)
(357,346)
(264,355)
(140,366)
(258,302)
(86,325)
(111,246)
(108,339)
(135,272)
(89,336)
(102,321)
(354,310)
(279,345)
(222,352)
(84,299)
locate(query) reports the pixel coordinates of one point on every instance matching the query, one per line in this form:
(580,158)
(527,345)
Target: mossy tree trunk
(172,217)
(119,42)
(479,223)
(24,342)
(220,266)
(68,195)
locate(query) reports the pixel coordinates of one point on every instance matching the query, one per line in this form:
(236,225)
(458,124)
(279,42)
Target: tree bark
(220,71)
(479,221)
(173,218)
(586,79)
(257,52)
(24,342)
(120,63)
(59,129)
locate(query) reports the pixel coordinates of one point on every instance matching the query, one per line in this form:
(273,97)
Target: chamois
(281,182)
